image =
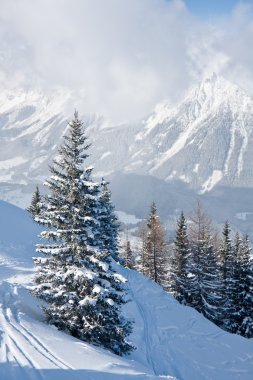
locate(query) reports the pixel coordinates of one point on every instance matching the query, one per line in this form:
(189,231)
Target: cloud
(120,58)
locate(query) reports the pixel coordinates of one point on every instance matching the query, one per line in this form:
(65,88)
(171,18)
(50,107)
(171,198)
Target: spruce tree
(180,278)
(36,204)
(206,287)
(127,252)
(211,289)
(227,268)
(129,261)
(244,301)
(83,294)
(109,224)
(238,295)
(199,236)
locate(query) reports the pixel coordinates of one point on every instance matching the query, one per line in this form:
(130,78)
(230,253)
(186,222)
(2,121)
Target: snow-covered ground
(172,341)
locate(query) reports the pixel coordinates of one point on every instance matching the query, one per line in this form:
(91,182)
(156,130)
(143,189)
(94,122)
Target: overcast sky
(122,57)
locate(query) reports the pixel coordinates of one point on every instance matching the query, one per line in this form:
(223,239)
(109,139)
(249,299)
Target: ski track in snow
(21,346)
(146,334)
(28,350)
(27,356)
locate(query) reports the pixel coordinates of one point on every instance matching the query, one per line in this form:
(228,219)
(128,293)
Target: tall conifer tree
(206,284)
(108,220)
(211,289)
(180,279)
(227,268)
(36,204)
(244,300)
(127,252)
(83,294)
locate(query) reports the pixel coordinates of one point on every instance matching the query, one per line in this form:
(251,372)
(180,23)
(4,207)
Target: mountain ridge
(214,110)
(204,141)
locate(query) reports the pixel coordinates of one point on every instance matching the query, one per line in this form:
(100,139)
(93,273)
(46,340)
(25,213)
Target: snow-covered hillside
(172,341)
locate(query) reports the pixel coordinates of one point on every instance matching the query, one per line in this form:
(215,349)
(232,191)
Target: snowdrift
(173,341)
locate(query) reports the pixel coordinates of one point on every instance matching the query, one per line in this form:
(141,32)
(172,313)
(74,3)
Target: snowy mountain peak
(216,92)
(215,85)
(213,94)
(204,140)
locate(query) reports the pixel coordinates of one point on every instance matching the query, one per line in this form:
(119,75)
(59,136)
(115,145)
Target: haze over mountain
(199,146)
(205,140)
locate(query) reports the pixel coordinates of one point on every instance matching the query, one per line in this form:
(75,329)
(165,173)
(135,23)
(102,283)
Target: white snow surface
(212,181)
(173,341)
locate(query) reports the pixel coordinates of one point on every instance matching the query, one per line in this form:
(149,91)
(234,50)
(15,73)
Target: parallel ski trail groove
(39,343)
(9,314)
(13,350)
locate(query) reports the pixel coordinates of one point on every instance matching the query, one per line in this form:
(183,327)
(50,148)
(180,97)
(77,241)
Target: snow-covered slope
(172,341)
(29,348)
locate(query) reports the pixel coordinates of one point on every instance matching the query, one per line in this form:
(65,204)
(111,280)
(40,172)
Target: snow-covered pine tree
(109,223)
(206,287)
(199,236)
(83,294)
(127,252)
(227,268)
(244,301)
(238,295)
(180,280)
(211,285)
(155,249)
(129,262)
(36,204)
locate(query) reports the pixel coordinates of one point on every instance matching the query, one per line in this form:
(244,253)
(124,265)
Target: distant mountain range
(205,143)
(204,140)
